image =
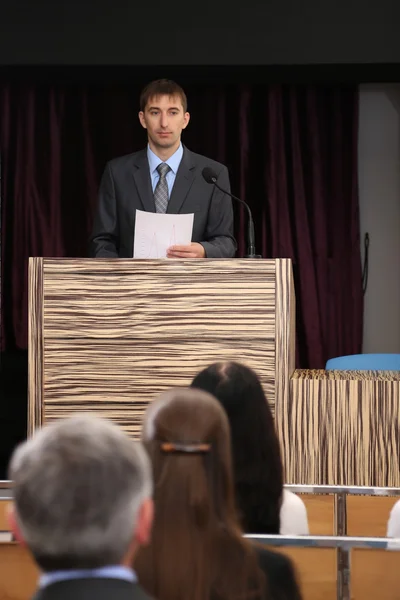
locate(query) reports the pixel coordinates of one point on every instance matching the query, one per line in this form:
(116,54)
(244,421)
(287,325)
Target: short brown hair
(162,87)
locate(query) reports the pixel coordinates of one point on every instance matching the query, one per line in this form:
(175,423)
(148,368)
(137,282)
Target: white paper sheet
(155,232)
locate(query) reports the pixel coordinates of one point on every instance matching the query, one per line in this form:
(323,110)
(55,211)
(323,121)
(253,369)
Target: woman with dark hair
(264,506)
(197,550)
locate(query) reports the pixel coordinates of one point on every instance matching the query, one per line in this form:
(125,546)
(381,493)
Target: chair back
(364,362)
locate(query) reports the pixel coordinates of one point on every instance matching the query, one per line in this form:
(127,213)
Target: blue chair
(365,362)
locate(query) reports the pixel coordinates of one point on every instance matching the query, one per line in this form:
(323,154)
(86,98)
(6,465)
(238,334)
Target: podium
(108,335)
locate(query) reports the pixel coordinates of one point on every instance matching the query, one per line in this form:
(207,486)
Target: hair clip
(172,447)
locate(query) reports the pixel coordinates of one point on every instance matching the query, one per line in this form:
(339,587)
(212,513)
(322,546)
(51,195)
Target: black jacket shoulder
(92,589)
(280,575)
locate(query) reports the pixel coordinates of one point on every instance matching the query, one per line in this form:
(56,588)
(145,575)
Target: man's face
(164,119)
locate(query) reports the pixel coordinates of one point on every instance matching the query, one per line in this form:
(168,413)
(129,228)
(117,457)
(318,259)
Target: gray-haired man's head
(82,493)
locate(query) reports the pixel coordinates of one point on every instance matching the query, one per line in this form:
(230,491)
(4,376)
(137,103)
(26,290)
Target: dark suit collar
(183,181)
(141,175)
(92,589)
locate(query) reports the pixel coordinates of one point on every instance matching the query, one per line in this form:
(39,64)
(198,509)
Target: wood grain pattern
(109,335)
(285,336)
(4,524)
(116,333)
(333,375)
(18,573)
(35,345)
(121,389)
(343,428)
(320,513)
(316,570)
(374,574)
(149,299)
(368,515)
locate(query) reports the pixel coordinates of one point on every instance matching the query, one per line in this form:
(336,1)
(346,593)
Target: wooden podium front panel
(113,334)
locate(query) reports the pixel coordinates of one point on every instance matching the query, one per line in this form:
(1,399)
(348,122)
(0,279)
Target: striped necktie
(161,191)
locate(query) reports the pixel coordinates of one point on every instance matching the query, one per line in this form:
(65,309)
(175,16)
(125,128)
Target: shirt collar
(108,572)
(173,162)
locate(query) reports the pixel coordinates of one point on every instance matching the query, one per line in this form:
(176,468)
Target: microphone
(211,177)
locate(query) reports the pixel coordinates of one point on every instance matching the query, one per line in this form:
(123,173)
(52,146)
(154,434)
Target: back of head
(78,486)
(257,461)
(197,547)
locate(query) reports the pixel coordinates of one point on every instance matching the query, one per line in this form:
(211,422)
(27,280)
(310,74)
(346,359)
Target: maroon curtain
(291,152)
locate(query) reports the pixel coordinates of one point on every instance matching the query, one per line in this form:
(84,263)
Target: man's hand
(193,250)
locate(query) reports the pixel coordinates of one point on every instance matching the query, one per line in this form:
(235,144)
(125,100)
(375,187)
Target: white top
(293,515)
(393,527)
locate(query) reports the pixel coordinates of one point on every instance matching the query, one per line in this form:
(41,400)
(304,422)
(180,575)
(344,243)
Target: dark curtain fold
(291,152)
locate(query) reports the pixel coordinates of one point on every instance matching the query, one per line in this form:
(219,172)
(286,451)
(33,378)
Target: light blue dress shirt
(111,572)
(174,161)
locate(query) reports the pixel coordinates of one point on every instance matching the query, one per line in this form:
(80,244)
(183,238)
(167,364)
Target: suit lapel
(141,175)
(183,182)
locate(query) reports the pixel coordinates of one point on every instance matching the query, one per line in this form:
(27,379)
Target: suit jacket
(126,186)
(280,575)
(92,589)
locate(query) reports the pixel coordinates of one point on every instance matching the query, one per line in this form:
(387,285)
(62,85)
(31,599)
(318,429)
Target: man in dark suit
(83,507)
(166,178)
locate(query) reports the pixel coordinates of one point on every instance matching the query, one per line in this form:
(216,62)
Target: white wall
(379,194)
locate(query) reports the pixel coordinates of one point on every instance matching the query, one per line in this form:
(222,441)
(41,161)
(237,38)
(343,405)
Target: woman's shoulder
(272,560)
(393,528)
(292,500)
(279,572)
(293,515)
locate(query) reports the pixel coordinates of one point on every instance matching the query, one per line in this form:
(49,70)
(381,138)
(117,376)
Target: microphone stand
(251,247)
